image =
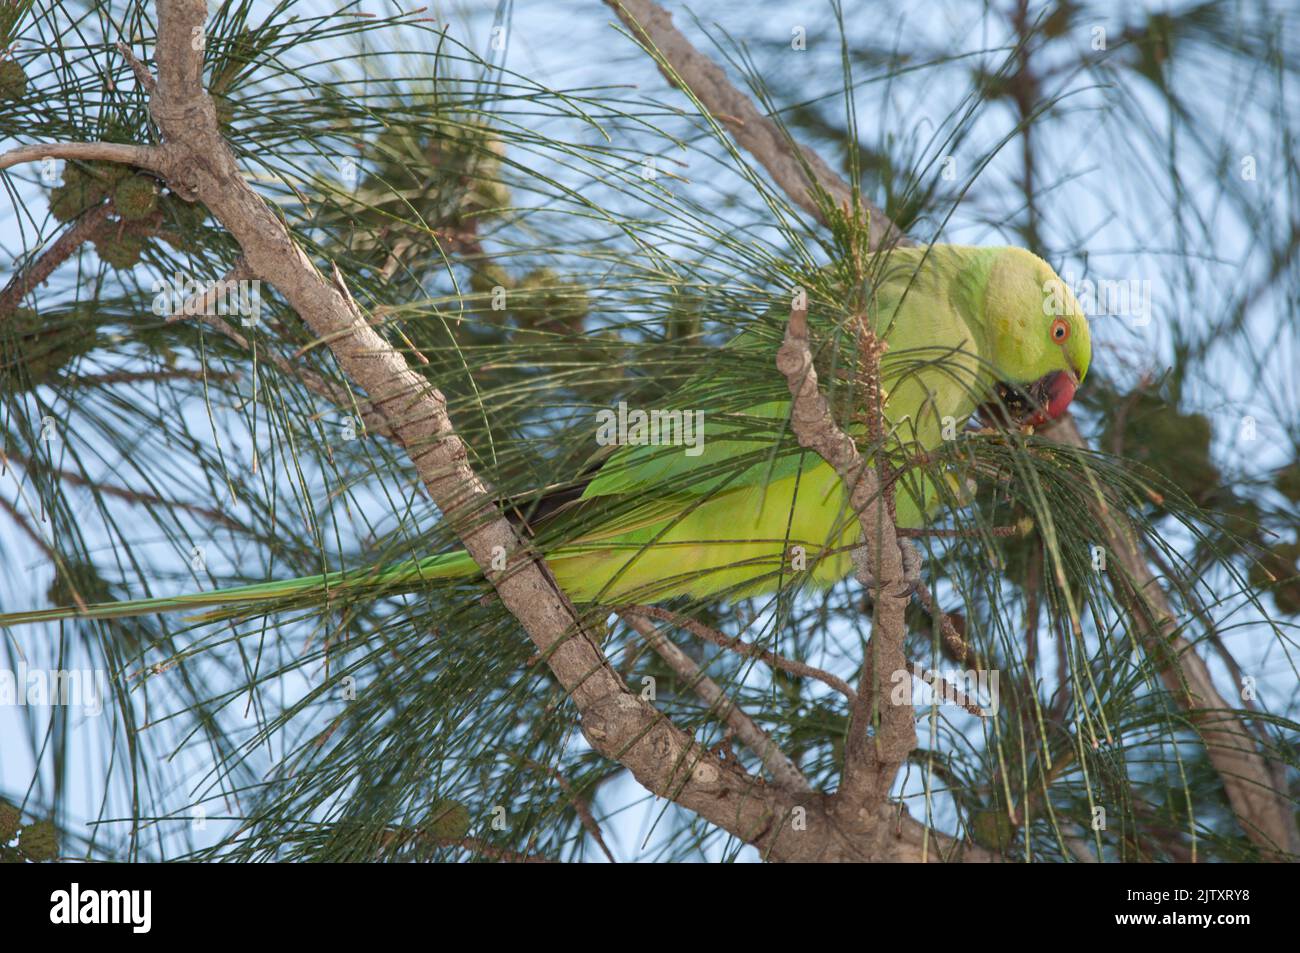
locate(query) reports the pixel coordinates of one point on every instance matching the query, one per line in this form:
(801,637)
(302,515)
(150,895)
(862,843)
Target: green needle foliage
(539,254)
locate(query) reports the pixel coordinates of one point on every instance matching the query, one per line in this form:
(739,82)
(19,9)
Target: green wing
(721,519)
(926,305)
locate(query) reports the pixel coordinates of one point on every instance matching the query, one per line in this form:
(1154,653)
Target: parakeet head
(1040,339)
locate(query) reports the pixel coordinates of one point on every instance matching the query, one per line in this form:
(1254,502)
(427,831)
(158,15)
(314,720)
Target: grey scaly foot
(912,563)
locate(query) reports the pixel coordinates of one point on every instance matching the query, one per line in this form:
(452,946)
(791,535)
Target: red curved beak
(1054,393)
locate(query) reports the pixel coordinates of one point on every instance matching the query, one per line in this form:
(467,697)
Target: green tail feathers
(395,578)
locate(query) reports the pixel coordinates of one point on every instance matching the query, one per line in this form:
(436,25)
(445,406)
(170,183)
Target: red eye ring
(1060,331)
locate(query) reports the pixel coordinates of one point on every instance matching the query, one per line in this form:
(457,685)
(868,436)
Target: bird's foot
(912,563)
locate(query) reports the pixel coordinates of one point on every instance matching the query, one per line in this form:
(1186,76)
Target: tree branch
(154,158)
(794,168)
(870,763)
(1258,799)
(581,807)
(60,250)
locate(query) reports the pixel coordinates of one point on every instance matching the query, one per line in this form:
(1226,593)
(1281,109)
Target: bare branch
(582,808)
(122,493)
(952,638)
(202,302)
(152,377)
(142,74)
(153,158)
(20,519)
(949,689)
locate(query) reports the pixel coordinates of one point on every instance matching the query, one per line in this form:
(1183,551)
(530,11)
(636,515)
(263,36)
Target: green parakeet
(740,508)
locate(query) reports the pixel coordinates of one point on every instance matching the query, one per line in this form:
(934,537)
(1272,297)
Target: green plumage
(727,520)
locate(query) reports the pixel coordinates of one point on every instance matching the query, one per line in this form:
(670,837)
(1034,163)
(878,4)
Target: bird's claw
(912,563)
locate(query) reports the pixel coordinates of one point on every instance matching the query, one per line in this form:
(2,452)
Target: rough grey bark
(870,762)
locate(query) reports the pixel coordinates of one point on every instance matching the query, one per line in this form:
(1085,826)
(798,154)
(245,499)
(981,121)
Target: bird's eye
(1060,330)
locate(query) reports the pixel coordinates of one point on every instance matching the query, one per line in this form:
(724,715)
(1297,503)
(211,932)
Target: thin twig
(796,169)
(20,519)
(51,553)
(940,533)
(85,228)
(783,770)
(582,808)
(153,377)
(748,649)
(142,74)
(952,638)
(130,496)
(949,689)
